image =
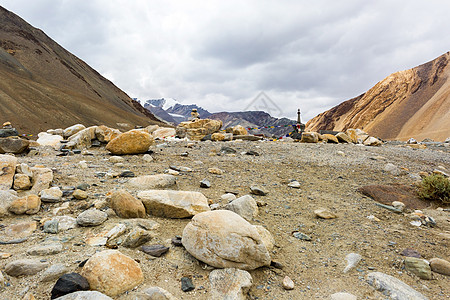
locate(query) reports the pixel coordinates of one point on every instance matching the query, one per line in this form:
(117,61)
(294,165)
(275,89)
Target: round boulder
(130,142)
(223,239)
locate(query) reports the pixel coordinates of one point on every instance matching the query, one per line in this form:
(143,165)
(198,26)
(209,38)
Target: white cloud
(221,54)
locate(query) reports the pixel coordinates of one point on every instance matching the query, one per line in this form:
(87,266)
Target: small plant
(435,187)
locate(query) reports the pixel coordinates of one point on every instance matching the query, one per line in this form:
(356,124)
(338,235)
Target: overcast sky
(221,55)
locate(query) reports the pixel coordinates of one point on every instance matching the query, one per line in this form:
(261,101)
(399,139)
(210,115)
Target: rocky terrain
(412,103)
(42,85)
(318,235)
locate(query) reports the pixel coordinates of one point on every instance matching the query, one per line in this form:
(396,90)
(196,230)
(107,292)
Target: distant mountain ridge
(174,112)
(42,85)
(408,104)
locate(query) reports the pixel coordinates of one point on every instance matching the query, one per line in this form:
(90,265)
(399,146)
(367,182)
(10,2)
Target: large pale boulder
(13,145)
(329,138)
(84,295)
(351,133)
(372,141)
(83,138)
(239,130)
(46,139)
(149,182)
(7,169)
(130,142)
(112,272)
(69,131)
(198,128)
(393,287)
(343,138)
(163,132)
(173,204)
(126,206)
(223,239)
(105,134)
(310,137)
(23,267)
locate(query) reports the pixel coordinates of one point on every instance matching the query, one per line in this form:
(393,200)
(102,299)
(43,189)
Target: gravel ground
(329,176)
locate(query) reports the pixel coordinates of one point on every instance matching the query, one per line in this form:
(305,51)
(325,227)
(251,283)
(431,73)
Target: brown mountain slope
(44,86)
(412,103)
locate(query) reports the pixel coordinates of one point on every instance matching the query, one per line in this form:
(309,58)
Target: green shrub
(435,187)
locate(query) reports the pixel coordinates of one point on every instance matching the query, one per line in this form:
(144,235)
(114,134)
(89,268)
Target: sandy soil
(329,175)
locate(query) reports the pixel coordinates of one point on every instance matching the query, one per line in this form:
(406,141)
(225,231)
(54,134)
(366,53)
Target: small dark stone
(96,143)
(69,283)
(155,250)
(76,151)
(127,173)
(276,264)
(251,152)
(184,154)
(205,183)
(83,186)
(227,150)
(186,284)
(5,132)
(207,137)
(81,264)
(301,236)
(175,168)
(257,191)
(408,252)
(176,241)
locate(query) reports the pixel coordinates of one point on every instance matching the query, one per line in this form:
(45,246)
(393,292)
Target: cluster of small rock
(355,136)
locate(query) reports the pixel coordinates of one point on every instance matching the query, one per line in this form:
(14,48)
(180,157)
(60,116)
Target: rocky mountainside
(408,104)
(42,85)
(253,119)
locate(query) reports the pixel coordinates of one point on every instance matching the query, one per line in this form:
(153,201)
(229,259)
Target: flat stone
(419,267)
(13,145)
(440,266)
(52,195)
(150,182)
(92,217)
(54,272)
(112,272)
(215,171)
(80,194)
(155,250)
(343,296)
(411,253)
(157,293)
(393,287)
(69,283)
(45,249)
(20,230)
(353,260)
(24,267)
(386,194)
(294,184)
(229,283)
(324,213)
(173,204)
(85,295)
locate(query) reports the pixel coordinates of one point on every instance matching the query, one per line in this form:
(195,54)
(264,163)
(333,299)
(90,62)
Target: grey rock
(148,182)
(343,296)
(392,287)
(45,249)
(230,284)
(24,267)
(302,236)
(137,237)
(352,261)
(257,191)
(53,194)
(85,295)
(92,217)
(244,206)
(54,272)
(155,250)
(51,226)
(391,168)
(419,267)
(205,184)
(157,293)
(13,145)
(186,284)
